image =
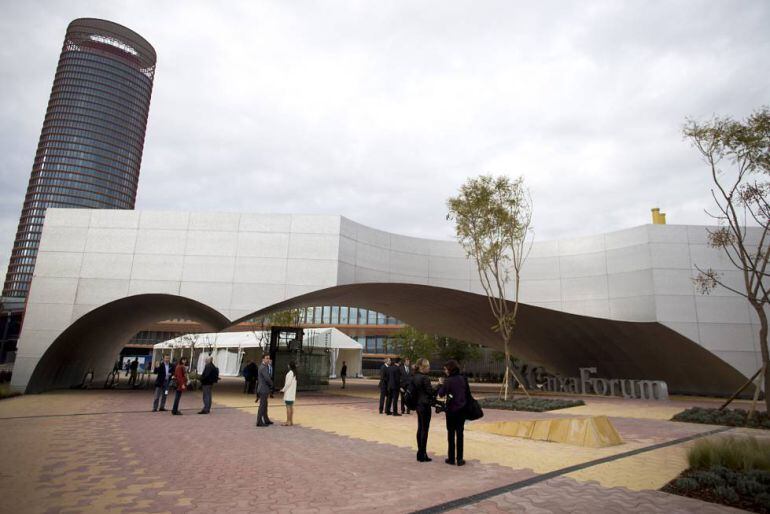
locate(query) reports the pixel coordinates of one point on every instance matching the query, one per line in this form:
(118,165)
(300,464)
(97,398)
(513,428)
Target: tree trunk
(506,380)
(763,347)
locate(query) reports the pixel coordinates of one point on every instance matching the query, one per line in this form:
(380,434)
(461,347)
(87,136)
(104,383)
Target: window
(371,318)
(343,315)
(326,315)
(335,315)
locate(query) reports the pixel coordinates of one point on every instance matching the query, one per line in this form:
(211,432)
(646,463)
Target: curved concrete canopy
(93,340)
(559,341)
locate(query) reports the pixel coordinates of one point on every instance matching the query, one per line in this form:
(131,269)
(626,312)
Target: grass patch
(735,453)
(6,392)
(530,404)
(726,417)
(729,471)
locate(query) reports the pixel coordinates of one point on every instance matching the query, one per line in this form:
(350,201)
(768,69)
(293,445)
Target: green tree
(737,155)
(412,344)
(461,351)
(493,217)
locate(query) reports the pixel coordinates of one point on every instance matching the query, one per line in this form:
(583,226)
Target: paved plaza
(104,451)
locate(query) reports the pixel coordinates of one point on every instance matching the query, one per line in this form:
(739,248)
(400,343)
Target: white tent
(229,349)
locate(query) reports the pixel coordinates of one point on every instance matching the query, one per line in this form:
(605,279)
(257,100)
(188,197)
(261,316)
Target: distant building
(90,147)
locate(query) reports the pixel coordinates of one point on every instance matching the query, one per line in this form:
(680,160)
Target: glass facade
(90,147)
(340,315)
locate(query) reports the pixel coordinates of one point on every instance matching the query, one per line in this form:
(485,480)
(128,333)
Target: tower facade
(90,148)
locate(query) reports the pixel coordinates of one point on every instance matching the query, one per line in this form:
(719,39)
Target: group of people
(396,377)
(168,373)
(265,388)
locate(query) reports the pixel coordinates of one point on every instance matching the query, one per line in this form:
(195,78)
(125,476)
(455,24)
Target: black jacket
(394,377)
(384,377)
(210,374)
(406,375)
(160,370)
(425,391)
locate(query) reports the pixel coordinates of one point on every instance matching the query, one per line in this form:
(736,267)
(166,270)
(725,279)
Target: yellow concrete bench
(594,431)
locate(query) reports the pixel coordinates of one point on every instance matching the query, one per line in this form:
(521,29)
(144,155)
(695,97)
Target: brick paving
(116,456)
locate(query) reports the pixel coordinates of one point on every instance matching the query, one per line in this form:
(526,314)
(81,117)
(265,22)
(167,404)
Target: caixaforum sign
(627,388)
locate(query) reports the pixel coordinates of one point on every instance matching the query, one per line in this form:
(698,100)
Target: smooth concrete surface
(234,265)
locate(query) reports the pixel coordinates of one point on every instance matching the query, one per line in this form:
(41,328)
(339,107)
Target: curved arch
(560,341)
(94,339)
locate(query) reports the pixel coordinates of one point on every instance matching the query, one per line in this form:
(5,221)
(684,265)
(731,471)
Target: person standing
(180,375)
(290,392)
(384,382)
(344,373)
(249,377)
(264,386)
(133,368)
(164,371)
(406,377)
(454,387)
(394,385)
(209,377)
(424,391)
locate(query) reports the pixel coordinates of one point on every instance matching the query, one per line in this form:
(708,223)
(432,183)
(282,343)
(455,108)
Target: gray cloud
(380,111)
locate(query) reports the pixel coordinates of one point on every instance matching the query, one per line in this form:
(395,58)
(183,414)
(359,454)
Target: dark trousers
(392,405)
(161,393)
(177,397)
(423,425)
(262,418)
(206,398)
(404,408)
(248,387)
(343,377)
(383,396)
(455,424)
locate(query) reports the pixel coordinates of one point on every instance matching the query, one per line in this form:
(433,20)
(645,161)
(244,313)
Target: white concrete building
(622,301)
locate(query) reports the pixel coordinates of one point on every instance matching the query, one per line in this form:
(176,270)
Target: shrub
(708,479)
(763,500)
(748,487)
(686,484)
(727,493)
(6,392)
(733,453)
(759,475)
(530,404)
(727,417)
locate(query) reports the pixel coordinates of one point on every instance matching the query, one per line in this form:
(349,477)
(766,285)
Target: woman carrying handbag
(454,387)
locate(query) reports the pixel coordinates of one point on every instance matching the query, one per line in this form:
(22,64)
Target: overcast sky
(380,110)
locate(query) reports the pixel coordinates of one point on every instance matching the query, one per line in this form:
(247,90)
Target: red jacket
(179,374)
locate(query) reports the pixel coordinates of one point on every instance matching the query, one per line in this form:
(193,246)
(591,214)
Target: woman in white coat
(290,392)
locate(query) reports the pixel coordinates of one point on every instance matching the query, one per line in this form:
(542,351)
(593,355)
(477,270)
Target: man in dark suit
(344,373)
(209,377)
(384,383)
(394,385)
(134,370)
(406,377)
(250,377)
(164,372)
(264,386)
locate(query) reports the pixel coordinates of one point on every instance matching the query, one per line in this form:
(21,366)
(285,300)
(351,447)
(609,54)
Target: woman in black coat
(454,387)
(425,393)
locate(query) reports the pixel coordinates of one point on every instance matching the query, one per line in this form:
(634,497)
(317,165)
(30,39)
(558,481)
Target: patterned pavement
(103,451)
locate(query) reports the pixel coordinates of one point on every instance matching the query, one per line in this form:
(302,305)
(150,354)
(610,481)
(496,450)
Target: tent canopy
(232,346)
(318,338)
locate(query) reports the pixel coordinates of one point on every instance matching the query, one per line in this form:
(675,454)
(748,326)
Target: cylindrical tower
(90,148)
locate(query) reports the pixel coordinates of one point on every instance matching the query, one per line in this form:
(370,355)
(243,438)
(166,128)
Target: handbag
(473,409)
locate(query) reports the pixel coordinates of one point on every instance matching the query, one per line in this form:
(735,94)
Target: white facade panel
(161,241)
